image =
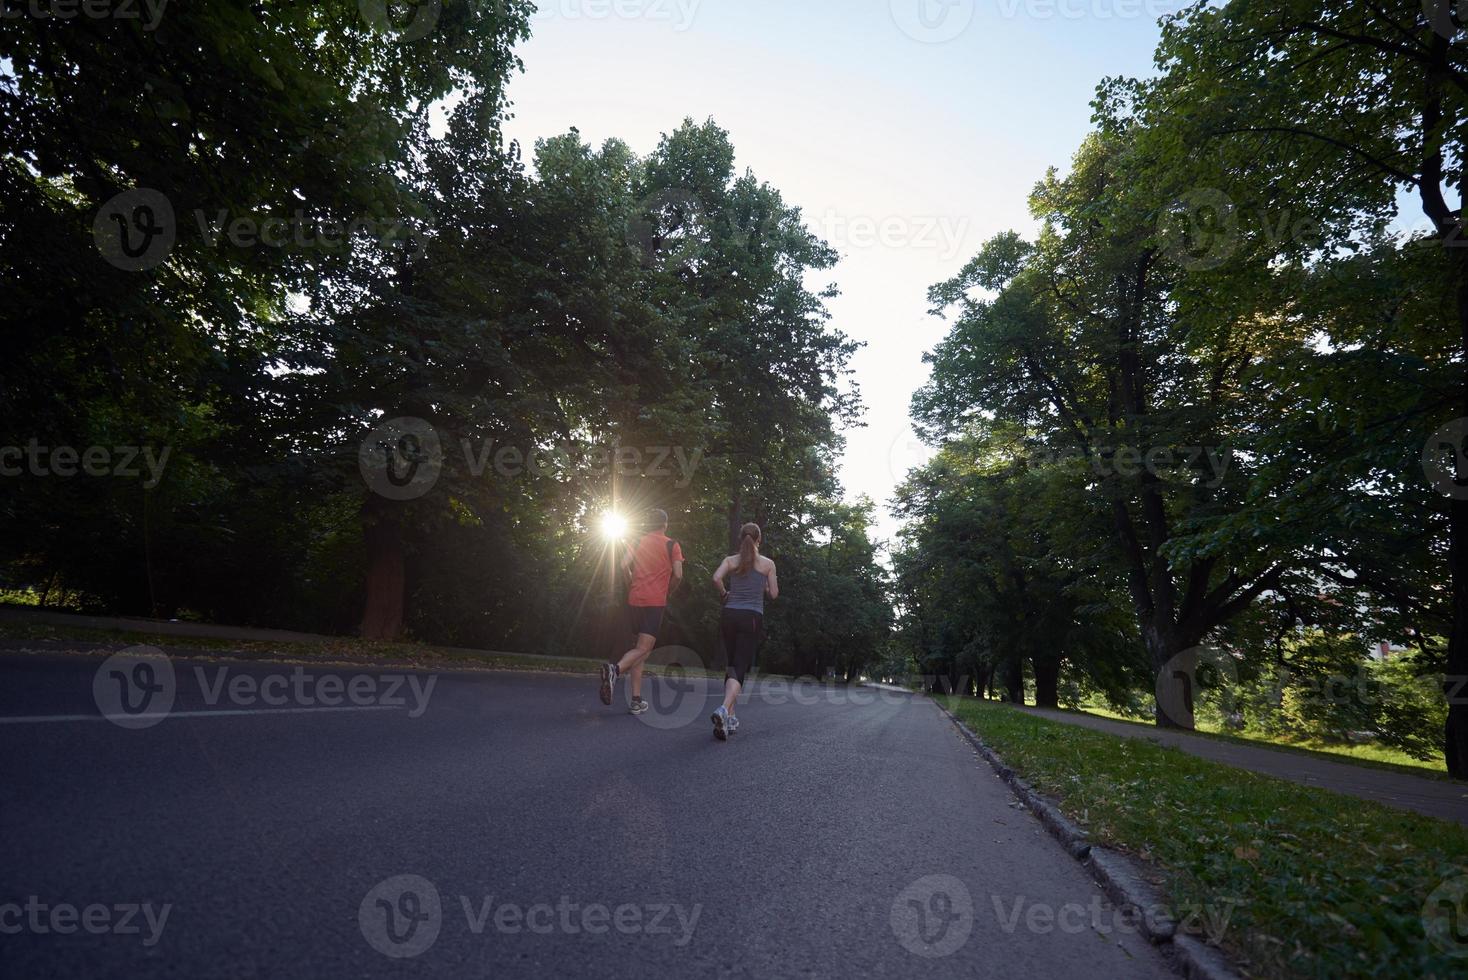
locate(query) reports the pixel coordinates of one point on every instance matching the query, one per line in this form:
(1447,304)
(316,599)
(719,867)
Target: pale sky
(908,131)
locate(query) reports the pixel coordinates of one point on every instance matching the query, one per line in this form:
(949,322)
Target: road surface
(509,825)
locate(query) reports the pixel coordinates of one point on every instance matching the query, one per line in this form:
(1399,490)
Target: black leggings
(743,629)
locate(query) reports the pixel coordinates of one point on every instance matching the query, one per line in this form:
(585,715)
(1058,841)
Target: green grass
(1325,885)
(1371,754)
(345,650)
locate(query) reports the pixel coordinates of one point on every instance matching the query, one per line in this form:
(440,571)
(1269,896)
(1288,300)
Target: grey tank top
(747,591)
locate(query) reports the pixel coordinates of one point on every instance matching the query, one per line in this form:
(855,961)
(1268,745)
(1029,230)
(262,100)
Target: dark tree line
(1193,410)
(257,236)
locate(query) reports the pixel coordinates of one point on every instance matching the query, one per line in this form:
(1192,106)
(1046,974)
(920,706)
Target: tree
(1083,344)
(1338,109)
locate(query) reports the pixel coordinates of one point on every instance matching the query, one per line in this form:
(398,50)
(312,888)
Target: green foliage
(593,301)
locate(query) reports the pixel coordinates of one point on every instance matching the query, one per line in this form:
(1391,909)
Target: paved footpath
(1442,798)
(515,827)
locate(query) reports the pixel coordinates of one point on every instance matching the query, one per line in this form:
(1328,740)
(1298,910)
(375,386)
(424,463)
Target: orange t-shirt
(652,571)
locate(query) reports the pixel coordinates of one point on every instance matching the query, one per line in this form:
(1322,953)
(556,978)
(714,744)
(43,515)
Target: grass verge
(343,651)
(1372,754)
(1320,885)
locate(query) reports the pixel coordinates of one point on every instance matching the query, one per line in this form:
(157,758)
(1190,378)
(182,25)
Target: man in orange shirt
(656,565)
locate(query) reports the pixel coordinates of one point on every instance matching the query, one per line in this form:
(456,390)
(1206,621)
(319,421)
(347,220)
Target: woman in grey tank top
(744,580)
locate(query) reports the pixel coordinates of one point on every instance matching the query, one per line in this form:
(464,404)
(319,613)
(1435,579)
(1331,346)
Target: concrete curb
(1118,876)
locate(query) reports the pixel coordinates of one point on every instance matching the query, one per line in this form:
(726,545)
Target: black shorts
(647,620)
(743,631)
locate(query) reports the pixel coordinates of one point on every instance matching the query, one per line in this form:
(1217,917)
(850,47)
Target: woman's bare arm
(772,584)
(720,575)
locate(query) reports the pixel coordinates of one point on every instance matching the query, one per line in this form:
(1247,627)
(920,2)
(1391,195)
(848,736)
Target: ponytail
(749,538)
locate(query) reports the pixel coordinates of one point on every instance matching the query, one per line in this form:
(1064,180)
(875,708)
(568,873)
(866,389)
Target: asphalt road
(509,825)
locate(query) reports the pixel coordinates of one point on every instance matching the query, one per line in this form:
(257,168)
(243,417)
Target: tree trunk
(1047,682)
(736,521)
(1175,680)
(1455,733)
(382,614)
(1014,681)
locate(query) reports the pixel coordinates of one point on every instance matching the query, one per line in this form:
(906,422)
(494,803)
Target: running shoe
(721,724)
(608,682)
(733,726)
(639,706)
